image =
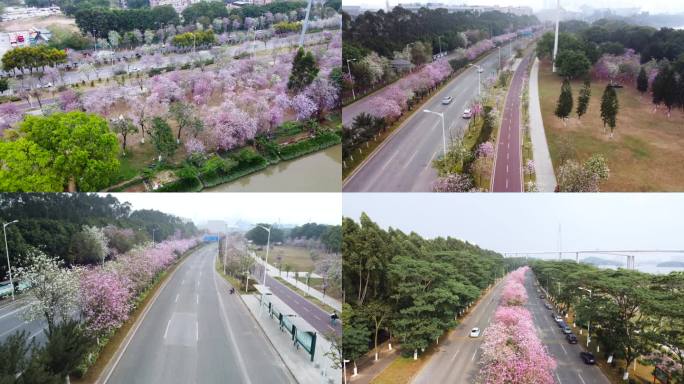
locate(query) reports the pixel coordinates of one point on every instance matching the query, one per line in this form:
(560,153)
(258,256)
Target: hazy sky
(653,6)
(288,208)
(529,222)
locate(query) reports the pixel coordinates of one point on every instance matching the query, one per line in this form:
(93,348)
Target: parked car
(572,339)
(475,332)
(588,358)
(5,289)
(557,318)
(548,306)
(567,330)
(467,114)
(561,324)
(542,297)
(447,100)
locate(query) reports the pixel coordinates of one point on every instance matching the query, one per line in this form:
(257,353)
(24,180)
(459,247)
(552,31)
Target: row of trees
(330,236)
(633,315)
(100,21)
(194,39)
(80,228)
(512,351)
(406,287)
(387,32)
(32,58)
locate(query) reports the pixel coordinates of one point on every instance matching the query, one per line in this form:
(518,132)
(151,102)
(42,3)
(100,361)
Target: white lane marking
(12,312)
(506,168)
(506,183)
(175,301)
(167,328)
(473,358)
(564,350)
(559,380)
(183,282)
(6,332)
(196,331)
(36,334)
(197,299)
(581,379)
(453,358)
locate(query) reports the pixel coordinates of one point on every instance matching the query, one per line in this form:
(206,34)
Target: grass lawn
(643,155)
(403,369)
(298,258)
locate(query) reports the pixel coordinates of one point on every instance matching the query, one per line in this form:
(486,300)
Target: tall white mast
(555,41)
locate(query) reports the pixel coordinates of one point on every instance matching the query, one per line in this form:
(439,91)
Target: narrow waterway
(318,172)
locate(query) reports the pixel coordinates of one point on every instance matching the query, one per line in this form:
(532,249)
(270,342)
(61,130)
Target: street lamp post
(9,267)
(499,58)
(268,245)
(439,40)
(479,71)
(443,131)
(350,78)
(153,230)
(344,369)
(589,320)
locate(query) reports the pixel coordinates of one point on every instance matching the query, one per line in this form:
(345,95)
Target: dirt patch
(38,22)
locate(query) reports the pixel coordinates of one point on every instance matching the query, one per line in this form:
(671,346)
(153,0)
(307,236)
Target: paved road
(11,321)
(404,163)
(196,332)
(571,369)
(508,166)
(457,359)
(308,311)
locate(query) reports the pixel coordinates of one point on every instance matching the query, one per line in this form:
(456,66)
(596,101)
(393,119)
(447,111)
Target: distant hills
(599,261)
(671,264)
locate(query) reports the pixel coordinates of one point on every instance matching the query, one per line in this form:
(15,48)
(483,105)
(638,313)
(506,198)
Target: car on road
(475,332)
(447,100)
(5,289)
(134,69)
(588,358)
(542,297)
(567,330)
(548,306)
(572,339)
(467,114)
(557,318)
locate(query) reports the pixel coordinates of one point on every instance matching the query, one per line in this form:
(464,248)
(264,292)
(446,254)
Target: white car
(475,332)
(467,114)
(447,100)
(134,69)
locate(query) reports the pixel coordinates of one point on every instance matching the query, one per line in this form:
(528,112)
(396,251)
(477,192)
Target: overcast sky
(529,222)
(652,6)
(288,208)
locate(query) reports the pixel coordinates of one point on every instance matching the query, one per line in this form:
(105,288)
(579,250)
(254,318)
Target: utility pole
(9,267)
(306,24)
(555,41)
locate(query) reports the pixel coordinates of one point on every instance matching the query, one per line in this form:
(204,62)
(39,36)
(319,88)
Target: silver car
(447,100)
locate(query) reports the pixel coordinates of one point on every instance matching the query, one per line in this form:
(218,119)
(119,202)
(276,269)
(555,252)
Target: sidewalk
(546,179)
(273,272)
(297,360)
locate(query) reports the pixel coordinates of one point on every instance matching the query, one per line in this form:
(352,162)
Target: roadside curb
(114,361)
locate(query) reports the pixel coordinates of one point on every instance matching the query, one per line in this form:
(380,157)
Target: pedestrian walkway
(297,360)
(369,368)
(273,271)
(546,179)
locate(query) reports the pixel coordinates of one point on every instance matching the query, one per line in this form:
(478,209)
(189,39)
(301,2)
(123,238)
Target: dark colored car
(588,358)
(542,296)
(572,339)
(561,324)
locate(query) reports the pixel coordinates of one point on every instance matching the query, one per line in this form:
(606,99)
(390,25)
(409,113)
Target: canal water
(317,172)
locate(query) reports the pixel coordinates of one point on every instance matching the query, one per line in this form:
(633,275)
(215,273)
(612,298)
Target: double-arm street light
(9,267)
(350,78)
(589,320)
(443,131)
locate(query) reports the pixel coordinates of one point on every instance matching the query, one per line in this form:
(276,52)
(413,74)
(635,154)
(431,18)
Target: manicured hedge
(248,162)
(182,185)
(321,141)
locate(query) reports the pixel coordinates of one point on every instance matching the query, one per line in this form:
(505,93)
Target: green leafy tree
(75,149)
(186,118)
(564,105)
(642,81)
(260,236)
(67,345)
(4,84)
(123,126)
(609,108)
(583,99)
(304,71)
(162,138)
(355,334)
(378,313)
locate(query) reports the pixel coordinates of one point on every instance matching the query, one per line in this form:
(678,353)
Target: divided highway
(196,332)
(404,162)
(508,165)
(456,361)
(11,321)
(571,369)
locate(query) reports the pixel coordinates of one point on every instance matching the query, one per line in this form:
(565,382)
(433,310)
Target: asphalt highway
(196,332)
(570,369)
(456,361)
(404,161)
(12,321)
(508,167)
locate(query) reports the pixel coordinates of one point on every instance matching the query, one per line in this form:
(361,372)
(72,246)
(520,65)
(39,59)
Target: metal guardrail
(305,339)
